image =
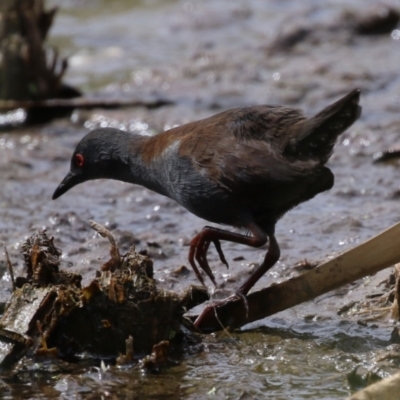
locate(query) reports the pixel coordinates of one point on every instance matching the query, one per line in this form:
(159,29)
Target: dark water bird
(245,167)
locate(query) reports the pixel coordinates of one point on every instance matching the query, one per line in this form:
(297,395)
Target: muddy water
(208,57)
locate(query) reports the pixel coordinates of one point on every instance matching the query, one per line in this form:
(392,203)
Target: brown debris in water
(379,304)
(128,357)
(157,358)
(379,20)
(391,155)
(120,312)
(42,263)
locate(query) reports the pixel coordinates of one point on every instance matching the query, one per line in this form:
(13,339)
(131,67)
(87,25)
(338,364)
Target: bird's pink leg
(210,311)
(270,259)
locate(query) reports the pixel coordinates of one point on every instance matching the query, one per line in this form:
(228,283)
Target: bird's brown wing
(242,149)
(242,154)
(257,172)
(266,123)
(268,185)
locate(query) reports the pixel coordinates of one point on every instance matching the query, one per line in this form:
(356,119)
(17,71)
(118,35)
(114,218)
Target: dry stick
(115,260)
(81,102)
(366,259)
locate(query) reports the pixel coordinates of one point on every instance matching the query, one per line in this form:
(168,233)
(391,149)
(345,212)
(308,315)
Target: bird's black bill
(67,183)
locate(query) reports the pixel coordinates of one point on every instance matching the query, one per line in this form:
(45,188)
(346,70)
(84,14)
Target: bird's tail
(317,135)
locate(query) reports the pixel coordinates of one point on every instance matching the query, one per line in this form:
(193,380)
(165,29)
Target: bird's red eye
(79,160)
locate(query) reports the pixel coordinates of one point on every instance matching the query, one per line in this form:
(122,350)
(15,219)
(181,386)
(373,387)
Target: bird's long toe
(191,257)
(221,255)
(201,258)
(198,256)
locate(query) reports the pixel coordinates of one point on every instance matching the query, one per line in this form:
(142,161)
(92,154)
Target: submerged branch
(82,102)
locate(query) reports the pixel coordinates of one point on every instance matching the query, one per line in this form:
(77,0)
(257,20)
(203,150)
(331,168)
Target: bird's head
(100,154)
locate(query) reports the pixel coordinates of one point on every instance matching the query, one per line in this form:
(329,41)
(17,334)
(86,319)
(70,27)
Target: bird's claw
(217,245)
(210,311)
(198,252)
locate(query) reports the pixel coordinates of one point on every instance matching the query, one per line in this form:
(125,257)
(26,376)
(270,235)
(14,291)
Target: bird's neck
(133,165)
